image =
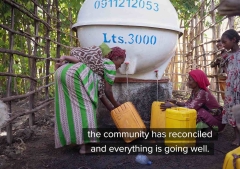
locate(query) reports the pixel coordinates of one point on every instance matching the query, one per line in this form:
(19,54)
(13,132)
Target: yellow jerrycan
(180,121)
(232,159)
(157,121)
(128,121)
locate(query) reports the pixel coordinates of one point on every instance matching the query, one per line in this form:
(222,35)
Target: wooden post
(175,72)
(58,30)
(9,81)
(214,45)
(34,69)
(202,36)
(187,57)
(183,58)
(48,56)
(196,40)
(71,32)
(191,41)
(172,69)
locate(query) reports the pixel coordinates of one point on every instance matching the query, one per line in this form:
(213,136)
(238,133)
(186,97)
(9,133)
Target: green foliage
(26,24)
(74,5)
(5,13)
(185,8)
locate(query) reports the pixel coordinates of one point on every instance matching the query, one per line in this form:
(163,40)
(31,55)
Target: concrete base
(142,95)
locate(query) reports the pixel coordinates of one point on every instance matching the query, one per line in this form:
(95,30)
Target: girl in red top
(208,109)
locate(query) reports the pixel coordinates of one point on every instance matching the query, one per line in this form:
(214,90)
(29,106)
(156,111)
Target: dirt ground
(33,148)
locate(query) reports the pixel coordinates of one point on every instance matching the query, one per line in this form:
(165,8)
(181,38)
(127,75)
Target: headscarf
(105,49)
(200,78)
(116,51)
(93,58)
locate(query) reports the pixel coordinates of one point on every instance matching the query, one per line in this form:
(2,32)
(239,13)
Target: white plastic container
(143,159)
(148,30)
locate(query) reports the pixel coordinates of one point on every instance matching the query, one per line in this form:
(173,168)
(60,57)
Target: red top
(203,97)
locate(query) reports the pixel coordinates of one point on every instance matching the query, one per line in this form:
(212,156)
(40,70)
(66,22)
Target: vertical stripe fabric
(76,100)
(109,70)
(75,104)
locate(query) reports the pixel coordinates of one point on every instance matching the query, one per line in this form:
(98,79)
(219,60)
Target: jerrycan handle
(235,157)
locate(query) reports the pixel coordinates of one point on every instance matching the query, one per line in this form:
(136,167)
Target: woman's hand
(57,65)
(166,105)
(109,94)
(106,103)
(60,62)
(172,101)
(62,59)
(117,104)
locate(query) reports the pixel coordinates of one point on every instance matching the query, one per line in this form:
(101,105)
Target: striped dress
(76,101)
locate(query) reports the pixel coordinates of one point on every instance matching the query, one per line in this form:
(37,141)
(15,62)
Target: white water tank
(147,29)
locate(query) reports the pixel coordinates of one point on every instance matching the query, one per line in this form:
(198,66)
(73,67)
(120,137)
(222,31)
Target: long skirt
(209,119)
(76,100)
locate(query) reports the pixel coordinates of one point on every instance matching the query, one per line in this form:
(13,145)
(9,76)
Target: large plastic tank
(148,30)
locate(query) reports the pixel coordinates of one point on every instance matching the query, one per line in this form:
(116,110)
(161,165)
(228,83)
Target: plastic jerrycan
(127,120)
(180,120)
(232,159)
(158,116)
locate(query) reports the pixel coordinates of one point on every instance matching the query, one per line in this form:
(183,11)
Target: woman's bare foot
(235,143)
(86,148)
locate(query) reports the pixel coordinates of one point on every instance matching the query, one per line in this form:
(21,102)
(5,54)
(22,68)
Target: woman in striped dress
(78,84)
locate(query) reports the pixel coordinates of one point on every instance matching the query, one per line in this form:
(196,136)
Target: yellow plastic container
(128,120)
(157,122)
(181,122)
(230,157)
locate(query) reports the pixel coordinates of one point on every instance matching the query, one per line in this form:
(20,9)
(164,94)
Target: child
(221,64)
(230,39)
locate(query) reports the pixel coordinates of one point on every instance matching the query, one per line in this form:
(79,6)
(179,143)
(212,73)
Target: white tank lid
(145,13)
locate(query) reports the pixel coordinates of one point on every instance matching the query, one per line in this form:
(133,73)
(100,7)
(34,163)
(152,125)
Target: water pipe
(156,72)
(126,69)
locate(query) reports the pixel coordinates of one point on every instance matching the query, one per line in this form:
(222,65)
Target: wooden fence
(45,36)
(197,46)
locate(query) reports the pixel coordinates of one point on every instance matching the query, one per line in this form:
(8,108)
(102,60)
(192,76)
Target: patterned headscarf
(200,78)
(116,51)
(93,58)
